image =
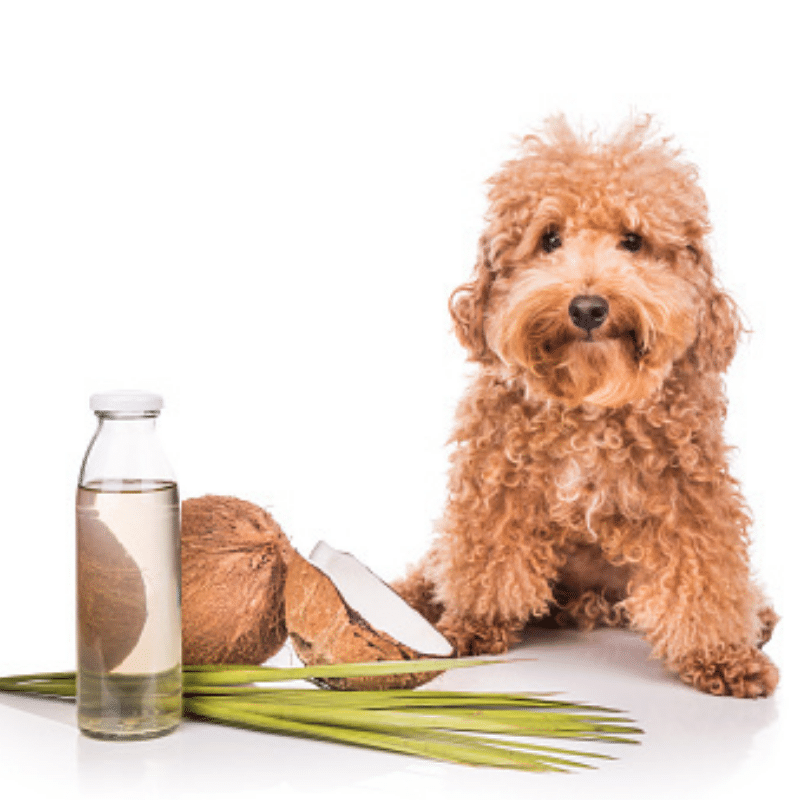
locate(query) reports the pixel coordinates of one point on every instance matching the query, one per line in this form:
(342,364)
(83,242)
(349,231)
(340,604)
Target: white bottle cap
(126,400)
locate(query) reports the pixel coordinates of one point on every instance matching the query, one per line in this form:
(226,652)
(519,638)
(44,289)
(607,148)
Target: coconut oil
(128,579)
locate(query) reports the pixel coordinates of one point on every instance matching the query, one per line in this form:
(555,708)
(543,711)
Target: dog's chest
(574,478)
(578,489)
(583,465)
(583,484)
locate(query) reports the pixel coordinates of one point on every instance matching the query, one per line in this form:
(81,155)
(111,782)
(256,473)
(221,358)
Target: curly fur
(589,479)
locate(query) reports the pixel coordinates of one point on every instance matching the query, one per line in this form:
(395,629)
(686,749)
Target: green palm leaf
(476,728)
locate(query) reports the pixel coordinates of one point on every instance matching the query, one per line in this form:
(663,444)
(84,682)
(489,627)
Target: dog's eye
(631,242)
(550,241)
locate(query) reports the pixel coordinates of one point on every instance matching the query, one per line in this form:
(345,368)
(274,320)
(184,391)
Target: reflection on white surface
(694,746)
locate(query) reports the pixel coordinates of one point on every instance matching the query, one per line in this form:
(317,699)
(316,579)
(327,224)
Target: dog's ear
(719,327)
(468,307)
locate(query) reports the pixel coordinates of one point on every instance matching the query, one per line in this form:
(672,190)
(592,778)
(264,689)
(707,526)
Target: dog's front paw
(473,637)
(740,671)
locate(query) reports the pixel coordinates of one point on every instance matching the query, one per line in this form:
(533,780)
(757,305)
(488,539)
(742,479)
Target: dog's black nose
(588,311)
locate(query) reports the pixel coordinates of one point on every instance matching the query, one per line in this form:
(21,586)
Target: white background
(259,210)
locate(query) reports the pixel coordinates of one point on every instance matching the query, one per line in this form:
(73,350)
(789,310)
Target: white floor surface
(694,746)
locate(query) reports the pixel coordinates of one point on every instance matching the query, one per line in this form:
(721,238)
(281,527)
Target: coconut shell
(324,629)
(112,604)
(233,563)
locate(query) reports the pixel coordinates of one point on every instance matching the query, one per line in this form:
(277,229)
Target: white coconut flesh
(378,603)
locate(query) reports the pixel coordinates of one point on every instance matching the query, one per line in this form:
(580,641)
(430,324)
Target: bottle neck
(125,449)
(126,424)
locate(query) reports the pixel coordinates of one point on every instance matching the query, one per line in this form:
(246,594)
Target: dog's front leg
(492,567)
(694,597)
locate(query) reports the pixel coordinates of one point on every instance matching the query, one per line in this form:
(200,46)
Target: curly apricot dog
(589,479)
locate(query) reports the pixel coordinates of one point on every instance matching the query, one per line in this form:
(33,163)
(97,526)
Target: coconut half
(339,611)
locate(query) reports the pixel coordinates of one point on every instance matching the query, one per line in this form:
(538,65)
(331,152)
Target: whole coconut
(233,561)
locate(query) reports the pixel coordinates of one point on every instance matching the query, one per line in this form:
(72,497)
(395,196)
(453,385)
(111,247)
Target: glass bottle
(128,575)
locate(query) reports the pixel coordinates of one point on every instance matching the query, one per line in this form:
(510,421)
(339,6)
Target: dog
(589,482)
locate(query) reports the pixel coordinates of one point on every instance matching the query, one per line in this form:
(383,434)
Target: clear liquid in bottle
(128,601)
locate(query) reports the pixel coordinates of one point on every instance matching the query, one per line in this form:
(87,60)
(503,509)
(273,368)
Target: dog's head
(593,278)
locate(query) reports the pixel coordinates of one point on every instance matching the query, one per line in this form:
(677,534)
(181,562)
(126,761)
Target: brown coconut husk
(324,629)
(233,558)
(112,603)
